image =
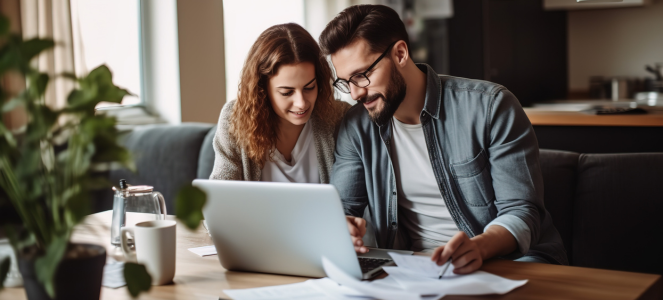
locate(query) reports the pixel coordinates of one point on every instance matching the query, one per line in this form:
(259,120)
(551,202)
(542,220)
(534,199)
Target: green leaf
(94,183)
(10,55)
(29,163)
(19,241)
(82,98)
(46,265)
(113,94)
(95,87)
(7,134)
(137,278)
(77,207)
(17,53)
(11,104)
(31,48)
(189,204)
(4,30)
(101,74)
(4,270)
(38,84)
(69,75)
(42,120)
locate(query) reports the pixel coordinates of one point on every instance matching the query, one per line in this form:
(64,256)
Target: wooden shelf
(566,118)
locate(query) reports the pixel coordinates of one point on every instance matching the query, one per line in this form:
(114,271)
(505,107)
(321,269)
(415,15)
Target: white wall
(243,22)
(614,42)
(319,12)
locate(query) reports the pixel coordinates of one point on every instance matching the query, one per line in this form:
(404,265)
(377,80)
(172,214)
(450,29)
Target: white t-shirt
(422,209)
(303,166)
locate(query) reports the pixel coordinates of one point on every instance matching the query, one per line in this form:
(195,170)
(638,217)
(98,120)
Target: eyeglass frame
(362,73)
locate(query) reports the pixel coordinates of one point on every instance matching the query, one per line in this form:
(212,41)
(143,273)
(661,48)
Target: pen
(445,269)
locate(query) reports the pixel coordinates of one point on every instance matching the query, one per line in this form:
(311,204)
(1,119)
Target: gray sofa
(166,157)
(606,207)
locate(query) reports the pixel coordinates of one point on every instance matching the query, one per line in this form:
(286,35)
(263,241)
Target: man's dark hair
(378,25)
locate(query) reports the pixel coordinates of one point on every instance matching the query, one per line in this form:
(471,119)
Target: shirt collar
(433,91)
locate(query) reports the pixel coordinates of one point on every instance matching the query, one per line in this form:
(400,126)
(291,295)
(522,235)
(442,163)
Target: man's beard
(392,99)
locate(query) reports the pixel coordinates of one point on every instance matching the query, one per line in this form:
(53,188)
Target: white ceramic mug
(154,242)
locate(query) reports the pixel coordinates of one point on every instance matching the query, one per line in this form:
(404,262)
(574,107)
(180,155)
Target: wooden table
(204,278)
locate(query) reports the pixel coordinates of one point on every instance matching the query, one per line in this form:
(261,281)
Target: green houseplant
(48,169)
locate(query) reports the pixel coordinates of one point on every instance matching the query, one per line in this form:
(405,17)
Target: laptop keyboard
(368,264)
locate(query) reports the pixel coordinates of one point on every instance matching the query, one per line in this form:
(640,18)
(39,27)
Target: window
(108,32)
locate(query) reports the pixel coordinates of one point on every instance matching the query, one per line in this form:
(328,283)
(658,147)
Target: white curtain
(52,19)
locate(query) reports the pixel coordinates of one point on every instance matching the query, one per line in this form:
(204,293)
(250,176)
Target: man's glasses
(360,79)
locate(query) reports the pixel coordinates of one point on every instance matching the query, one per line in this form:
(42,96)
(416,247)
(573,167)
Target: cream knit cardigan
(231,162)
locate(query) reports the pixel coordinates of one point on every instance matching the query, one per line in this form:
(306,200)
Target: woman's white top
(303,166)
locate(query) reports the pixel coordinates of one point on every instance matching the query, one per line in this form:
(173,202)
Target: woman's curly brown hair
(253,122)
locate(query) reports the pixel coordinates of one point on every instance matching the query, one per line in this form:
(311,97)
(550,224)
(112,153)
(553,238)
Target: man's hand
(465,254)
(468,255)
(357,227)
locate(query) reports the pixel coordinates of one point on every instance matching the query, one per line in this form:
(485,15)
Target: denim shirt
(484,155)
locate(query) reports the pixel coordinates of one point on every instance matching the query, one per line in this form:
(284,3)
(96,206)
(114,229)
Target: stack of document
(414,278)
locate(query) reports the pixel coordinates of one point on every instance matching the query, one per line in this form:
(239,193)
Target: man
(444,164)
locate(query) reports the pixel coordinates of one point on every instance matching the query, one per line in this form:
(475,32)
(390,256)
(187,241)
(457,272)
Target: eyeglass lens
(360,80)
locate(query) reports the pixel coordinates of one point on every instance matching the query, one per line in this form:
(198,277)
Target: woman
(282,125)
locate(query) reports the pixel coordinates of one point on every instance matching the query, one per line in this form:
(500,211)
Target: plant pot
(75,278)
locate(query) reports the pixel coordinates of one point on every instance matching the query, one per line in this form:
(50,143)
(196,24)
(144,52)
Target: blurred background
(567,62)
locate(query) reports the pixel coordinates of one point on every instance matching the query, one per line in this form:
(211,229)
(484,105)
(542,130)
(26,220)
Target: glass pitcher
(133,204)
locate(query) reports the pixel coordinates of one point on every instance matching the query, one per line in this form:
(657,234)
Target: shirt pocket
(474,181)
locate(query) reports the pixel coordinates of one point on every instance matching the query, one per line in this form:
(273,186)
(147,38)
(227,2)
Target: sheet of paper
(389,283)
(337,291)
(477,283)
(298,291)
(204,251)
(421,265)
(340,277)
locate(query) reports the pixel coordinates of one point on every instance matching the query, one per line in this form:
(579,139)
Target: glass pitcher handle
(162,204)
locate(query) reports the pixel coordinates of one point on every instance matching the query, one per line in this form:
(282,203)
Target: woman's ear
(400,53)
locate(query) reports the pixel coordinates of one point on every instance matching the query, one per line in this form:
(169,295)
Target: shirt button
(394,193)
(393,223)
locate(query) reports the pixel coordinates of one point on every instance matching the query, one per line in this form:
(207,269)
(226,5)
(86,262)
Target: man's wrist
(483,246)
(495,241)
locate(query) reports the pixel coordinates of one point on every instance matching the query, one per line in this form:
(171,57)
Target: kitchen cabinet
(584,133)
(573,4)
(511,42)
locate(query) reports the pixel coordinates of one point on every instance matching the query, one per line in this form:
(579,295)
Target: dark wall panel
(466,40)
(511,42)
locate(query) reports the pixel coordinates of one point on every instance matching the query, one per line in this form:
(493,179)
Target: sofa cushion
(559,184)
(617,213)
(166,157)
(206,158)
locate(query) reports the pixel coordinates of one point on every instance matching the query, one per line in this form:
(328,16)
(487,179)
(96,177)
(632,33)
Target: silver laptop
(283,228)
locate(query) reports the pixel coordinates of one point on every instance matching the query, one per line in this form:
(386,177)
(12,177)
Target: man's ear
(400,53)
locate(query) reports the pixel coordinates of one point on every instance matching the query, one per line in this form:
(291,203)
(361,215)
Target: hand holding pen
(445,269)
(465,252)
